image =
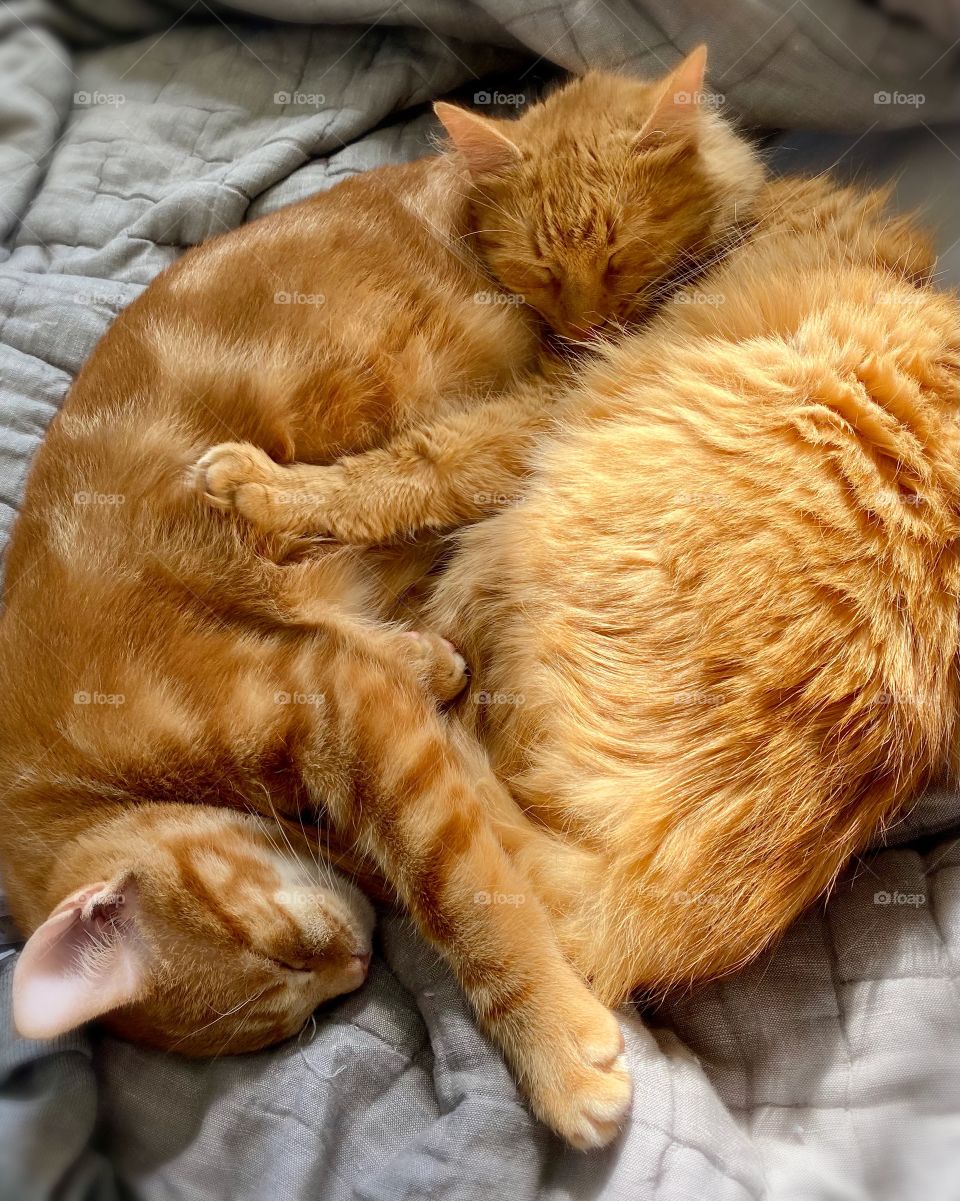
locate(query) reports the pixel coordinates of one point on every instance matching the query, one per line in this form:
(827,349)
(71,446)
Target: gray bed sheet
(829,1070)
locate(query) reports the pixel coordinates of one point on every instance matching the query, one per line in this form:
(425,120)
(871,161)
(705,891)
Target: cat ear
(86,959)
(680,97)
(483,146)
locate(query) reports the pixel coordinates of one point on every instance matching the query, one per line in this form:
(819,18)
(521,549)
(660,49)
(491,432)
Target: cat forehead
(592,158)
(589,230)
(570,213)
(584,193)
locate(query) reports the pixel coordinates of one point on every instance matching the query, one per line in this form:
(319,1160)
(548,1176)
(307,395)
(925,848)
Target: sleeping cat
(716,648)
(163,663)
(589,208)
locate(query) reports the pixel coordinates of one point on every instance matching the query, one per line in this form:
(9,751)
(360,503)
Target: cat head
(200,931)
(594,197)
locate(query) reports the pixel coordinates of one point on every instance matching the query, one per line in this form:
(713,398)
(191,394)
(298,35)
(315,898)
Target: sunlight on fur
(723,586)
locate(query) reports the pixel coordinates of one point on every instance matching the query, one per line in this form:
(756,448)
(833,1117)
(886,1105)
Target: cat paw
(445,668)
(585,1094)
(229,474)
(281,499)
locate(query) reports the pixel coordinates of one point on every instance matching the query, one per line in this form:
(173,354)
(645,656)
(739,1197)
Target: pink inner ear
(86,959)
(483,146)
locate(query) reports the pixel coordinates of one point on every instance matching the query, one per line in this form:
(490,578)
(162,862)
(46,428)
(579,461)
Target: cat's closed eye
(289,967)
(542,276)
(624,264)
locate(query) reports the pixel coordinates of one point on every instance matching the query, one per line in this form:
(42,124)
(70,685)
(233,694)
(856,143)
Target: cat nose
(359,966)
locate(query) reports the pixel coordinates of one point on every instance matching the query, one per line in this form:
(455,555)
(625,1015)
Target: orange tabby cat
(588,207)
(718,642)
(161,660)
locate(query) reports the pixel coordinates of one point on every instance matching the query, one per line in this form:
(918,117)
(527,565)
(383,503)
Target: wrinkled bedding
(829,1070)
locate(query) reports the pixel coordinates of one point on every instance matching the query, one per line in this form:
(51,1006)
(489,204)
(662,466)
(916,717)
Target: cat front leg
(273,497)
(437,477)
(411,804)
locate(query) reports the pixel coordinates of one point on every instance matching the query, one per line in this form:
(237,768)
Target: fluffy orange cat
(163,662)
(716,648)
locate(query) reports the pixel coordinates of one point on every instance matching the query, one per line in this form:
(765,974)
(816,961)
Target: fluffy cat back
(746,539)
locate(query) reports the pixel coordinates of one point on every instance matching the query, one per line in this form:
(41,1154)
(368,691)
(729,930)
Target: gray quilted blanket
(828,1071)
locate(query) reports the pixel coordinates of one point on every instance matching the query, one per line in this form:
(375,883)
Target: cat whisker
(219,1018)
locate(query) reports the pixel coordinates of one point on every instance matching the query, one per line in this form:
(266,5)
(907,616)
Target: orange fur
(616,189)
(590,208)
(718,642)
(189,575)
(178,636)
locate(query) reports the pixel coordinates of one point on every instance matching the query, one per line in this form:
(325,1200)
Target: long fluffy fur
(717,643)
